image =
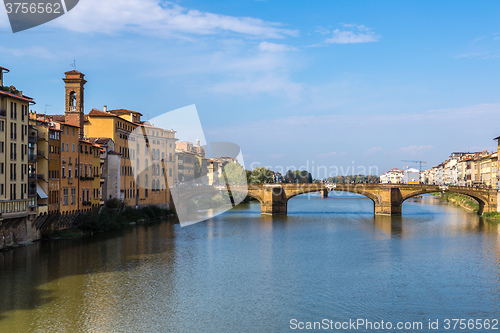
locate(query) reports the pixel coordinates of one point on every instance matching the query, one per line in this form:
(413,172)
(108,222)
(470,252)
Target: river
(239,272)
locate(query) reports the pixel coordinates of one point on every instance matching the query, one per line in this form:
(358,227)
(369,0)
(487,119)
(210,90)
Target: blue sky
(294,83)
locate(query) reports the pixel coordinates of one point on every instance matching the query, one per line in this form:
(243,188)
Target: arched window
(72,101)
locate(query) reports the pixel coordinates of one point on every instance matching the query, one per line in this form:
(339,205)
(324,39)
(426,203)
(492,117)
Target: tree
(197,168)
(234,174)
(261,176)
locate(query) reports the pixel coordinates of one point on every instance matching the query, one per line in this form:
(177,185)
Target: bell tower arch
(74,86)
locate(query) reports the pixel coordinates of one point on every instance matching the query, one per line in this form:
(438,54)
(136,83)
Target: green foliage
(197,168)
(261,176)
(298,177)
(114,203)
(235,174)
(354,178)
(461,200)
(108,218)
(495,216)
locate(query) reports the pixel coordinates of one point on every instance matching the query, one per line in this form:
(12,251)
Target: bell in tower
(74,112)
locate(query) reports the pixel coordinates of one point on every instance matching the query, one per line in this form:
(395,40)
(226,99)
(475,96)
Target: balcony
(32,139)
(32,176)
(3,112)
(40,176)
(32,157)
(40,153)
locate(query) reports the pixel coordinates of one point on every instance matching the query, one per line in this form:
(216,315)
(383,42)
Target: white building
(393,176)
(411,176)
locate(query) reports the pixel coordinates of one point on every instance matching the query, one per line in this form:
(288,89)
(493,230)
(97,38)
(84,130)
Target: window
(73,196)
(73,143)
(69,173)
(63,172)
(65,196)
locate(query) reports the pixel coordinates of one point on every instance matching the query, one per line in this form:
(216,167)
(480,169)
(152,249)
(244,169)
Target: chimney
(105,108)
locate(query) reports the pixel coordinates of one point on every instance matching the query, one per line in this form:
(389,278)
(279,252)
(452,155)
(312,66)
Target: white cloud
(270,84)
(333,153)
(374,150)
(414,149)
(353,34)
(373,139)
(161,18)
(273,47)
(32,51)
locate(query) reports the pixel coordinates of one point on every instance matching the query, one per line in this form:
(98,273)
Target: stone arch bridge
(387,198)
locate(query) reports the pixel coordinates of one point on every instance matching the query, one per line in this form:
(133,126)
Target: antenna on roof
(73,64)
(46,107)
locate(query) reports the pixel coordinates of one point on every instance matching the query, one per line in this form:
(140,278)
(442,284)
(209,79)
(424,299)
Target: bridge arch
(481,200)
(256,196)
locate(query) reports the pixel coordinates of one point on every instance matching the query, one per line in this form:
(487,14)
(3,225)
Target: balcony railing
(32,157)
(40,176)
(40,153)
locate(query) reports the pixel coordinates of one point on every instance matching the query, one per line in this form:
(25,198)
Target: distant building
(393,176)
(411,176)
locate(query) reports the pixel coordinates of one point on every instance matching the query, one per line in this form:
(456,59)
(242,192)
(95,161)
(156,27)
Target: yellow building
(42,164)
(14,158)
(103,124)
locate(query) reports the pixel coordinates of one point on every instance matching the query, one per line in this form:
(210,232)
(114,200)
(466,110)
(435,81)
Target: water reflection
(246,273)
(389,226)
(47,284)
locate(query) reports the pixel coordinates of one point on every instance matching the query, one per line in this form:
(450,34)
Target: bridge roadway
(387,198)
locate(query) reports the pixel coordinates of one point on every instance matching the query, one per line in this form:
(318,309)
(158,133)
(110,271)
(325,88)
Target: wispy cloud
(31,51)
(353,34)
(273,47)
(333,153)
(413,150)
(162,18)
(373,151)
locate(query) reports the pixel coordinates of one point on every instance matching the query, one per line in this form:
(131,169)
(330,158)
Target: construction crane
(420,162)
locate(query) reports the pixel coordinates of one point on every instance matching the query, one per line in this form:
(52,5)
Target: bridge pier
(324,193)
(390,201)
(275,200)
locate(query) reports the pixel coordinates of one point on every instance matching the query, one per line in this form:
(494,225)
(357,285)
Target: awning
(41,193)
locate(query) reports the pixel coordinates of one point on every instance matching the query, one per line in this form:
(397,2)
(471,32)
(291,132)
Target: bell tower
(74,113)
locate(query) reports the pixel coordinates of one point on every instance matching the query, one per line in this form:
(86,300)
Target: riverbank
(113,216)
(469,204)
